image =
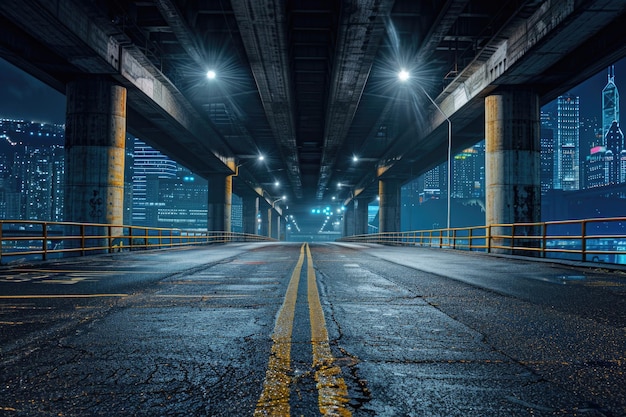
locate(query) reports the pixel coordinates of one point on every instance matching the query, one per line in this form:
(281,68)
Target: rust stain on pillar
(95,150)
(228,197)
(513,185)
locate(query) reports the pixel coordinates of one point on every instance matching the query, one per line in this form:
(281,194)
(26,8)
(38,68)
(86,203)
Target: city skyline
(588,101)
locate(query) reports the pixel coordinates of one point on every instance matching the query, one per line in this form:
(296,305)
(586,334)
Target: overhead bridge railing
(588,240)
(24,239)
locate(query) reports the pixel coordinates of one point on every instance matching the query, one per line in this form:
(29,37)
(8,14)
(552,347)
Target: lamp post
(404,75)
(277,200)
(269,227)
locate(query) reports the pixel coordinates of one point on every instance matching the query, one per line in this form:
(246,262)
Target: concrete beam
(519,55)
(96,46)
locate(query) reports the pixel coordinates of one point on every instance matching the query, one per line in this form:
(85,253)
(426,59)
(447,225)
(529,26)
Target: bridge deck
(240,329)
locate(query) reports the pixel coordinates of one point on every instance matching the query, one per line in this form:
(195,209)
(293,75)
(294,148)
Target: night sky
(24,97)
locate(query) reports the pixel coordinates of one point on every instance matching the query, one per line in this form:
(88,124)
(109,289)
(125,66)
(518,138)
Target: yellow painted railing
(595,240)
(43,240)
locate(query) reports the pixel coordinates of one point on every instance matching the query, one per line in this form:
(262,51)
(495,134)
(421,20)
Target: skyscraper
(613,136)
(468,172)
(610,102)
(181,201)
(31,170)
(566,161)
(148,166)
(614,146)
(547,152)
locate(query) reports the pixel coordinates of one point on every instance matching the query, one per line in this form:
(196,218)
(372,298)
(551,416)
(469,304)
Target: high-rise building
(181,202)
(236,218)
(433,183)
(129,162)
(547,152)
(606,164)
(468,172)
(614,146)
(610,102)
(566,161)
(149,165)
(596,167)
(32,170)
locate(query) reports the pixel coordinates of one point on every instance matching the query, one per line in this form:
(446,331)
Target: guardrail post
(1,240)
(44,243)
(146,241)
(583,240)
(454,239)
(470,238)
(488,238)
(544,243)
(512,239)
(110,238)
(82,240)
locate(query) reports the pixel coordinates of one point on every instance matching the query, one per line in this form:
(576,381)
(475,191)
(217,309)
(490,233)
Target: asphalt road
(326,329)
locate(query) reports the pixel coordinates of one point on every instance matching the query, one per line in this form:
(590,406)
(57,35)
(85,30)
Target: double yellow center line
(332,390)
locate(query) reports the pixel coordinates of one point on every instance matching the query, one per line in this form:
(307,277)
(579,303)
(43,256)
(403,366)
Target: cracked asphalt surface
(413,331)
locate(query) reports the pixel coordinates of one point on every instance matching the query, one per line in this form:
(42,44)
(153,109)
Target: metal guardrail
(45,240)
(595,240)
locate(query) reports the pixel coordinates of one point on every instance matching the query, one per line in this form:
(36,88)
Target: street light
(404,75)
(277,200)
(250,158)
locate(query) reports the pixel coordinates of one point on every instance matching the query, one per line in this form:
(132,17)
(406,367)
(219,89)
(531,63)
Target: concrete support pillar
(279,227)
(228,198)
(263,221)
(348,219)
(250,212)
(513,156)
(220,201)
(282,234)
(360,217)
(216,204)
(95,136)
(389,205)
(270,214)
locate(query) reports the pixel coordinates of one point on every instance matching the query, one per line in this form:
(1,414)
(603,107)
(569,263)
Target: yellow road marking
(332,391)
(36,296)
(69,281)
(274,400)
(205,296)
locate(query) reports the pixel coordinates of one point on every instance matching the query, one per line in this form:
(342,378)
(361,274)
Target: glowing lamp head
(211,75)
(403,75)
